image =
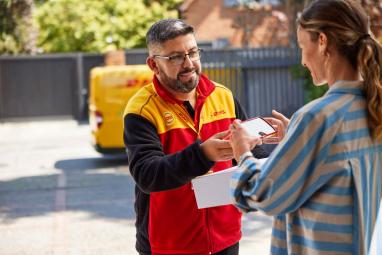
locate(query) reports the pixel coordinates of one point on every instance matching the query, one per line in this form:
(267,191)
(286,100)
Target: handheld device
(258,127)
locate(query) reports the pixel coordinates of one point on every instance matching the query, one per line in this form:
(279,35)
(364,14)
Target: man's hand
(280,123)
(216,148)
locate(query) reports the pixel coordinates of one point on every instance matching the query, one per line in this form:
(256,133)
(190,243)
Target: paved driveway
(58,196)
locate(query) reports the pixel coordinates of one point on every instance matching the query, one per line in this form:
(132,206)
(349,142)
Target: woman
(323,182)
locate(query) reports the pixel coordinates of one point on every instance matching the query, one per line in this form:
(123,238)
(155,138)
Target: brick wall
(213,21)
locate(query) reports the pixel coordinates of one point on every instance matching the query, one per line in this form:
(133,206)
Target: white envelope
(213,189)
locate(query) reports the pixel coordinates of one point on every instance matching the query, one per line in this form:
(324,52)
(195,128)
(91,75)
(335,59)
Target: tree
(372,7)
(374,10)
(250,15)
(253,14)
(293,7)
(17,33)
(94,26)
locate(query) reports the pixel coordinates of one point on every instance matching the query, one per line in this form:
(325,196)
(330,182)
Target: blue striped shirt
(322,182)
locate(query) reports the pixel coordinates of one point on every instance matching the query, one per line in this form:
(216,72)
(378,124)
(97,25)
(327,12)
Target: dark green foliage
(311,91)
(16,30)
(98,26)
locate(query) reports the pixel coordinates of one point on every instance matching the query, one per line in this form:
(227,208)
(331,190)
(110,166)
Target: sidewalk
(58,196)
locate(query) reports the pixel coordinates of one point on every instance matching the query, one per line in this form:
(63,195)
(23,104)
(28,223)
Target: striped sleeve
(291,174)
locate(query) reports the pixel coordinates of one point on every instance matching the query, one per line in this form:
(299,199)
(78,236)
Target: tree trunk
(24,12)
(17,24)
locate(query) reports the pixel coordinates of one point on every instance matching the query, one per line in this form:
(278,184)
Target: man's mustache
(187,71)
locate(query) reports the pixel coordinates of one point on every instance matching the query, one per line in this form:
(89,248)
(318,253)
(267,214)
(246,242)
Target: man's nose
(187,61)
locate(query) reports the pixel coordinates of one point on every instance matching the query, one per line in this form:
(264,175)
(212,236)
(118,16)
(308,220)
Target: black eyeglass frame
(173,58)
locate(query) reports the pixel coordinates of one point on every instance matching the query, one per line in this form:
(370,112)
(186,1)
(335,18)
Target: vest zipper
(208,233)
(183,114)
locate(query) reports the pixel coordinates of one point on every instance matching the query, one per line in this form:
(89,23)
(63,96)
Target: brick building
(223,23)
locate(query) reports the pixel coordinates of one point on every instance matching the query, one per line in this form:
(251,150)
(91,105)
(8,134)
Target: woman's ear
(323,44)
(152,64)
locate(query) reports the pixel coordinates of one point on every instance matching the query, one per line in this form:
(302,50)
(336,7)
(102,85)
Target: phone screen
(258,127)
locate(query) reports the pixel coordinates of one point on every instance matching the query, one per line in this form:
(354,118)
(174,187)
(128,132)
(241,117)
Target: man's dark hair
(166,29)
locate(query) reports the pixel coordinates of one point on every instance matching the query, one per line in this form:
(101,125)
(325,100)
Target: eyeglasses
(178,59)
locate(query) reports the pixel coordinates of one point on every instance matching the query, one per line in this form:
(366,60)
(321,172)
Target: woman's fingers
(281,117)
(271,140)
(274,122)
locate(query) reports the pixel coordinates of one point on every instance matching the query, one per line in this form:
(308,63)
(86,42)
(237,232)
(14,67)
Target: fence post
(80,90)
(1,91)
(244,95)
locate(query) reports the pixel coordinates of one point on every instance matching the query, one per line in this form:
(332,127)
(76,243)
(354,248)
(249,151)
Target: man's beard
(177,85)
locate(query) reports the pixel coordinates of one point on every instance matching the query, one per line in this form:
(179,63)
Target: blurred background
(250,46)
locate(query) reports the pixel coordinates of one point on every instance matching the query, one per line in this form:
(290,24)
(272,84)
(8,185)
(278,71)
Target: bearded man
(173,132)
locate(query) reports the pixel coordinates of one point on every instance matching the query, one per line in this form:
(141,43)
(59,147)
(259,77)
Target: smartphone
(258,127)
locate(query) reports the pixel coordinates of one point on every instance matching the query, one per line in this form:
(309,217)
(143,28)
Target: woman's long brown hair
(347,28)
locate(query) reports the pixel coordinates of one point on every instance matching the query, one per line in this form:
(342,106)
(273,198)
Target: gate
(38,86)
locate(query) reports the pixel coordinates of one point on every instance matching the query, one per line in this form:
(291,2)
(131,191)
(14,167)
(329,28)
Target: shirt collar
(347,87)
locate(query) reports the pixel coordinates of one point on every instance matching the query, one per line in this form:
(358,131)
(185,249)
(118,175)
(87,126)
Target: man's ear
(323,44)
(152,64)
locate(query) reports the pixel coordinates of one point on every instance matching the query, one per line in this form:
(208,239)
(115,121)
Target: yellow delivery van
(110,89)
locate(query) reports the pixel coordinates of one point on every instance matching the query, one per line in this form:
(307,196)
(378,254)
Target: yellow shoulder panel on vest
(219,105)
(163,115)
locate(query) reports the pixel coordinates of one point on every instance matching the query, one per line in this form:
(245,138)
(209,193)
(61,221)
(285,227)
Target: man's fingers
(217,150)
(222,144)
(227,151)
(222,135)
(225,155)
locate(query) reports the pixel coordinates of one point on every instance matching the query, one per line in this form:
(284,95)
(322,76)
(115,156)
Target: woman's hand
(280,123)
(240,140)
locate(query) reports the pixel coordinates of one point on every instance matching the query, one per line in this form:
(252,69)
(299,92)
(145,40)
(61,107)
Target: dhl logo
(168,118)
(217,113)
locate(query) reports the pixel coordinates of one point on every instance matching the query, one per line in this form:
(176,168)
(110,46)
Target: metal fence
(260,78)
(56,85)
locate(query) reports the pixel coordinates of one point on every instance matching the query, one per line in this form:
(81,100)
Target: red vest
(176,225)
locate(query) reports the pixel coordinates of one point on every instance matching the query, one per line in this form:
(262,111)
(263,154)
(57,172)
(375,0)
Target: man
(173,132)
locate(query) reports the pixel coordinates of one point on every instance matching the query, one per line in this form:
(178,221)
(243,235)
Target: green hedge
(311,91)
